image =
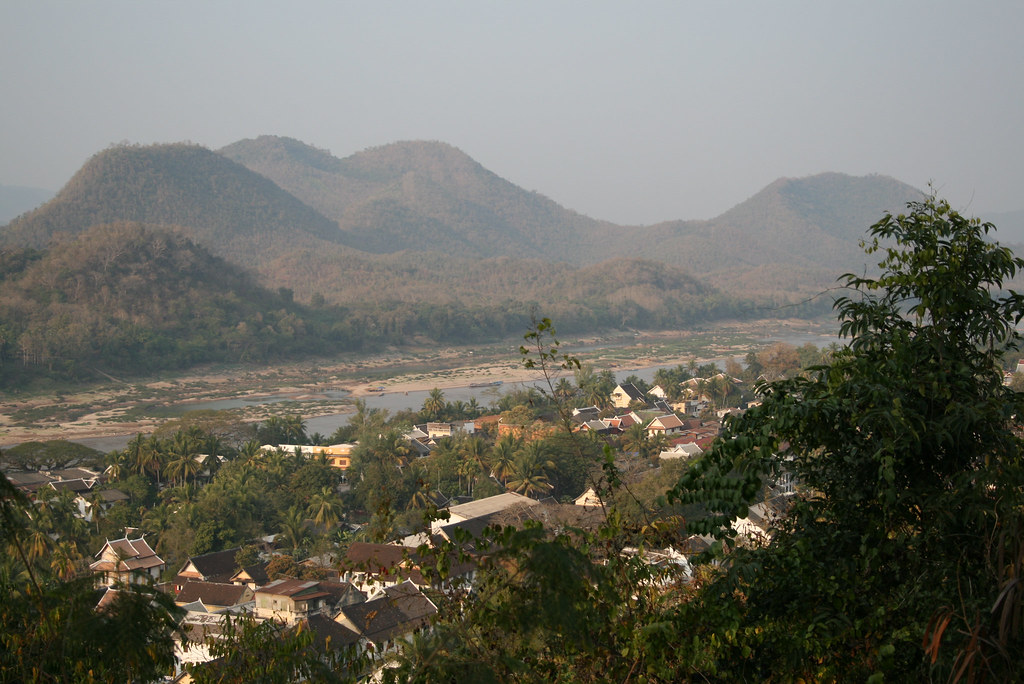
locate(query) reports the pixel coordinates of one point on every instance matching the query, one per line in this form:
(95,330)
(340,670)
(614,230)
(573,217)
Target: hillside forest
(166,256)
(894,465)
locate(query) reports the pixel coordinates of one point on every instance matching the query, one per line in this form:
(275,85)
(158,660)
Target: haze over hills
(430,196)
(410,241)
(425,196)
(232,211)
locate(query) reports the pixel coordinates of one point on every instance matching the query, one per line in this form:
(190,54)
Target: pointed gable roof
(218,566)
(125,555)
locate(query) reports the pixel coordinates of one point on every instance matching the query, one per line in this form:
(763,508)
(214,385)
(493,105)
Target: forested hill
(227,208)
(126,300)
(123,298)
(792,236)
(424,196)
(796,235)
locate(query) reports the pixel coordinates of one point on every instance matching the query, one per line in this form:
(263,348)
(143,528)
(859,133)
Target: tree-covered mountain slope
(416,195)
(234,212)
(125,298)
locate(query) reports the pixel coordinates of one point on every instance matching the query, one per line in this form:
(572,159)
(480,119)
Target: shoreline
(311,385)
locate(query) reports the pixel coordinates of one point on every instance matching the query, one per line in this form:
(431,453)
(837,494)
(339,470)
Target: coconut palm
(503,458)
(182,463)
(530,470)
(635,440)
(434,404)
(295,430)
(294,532)
(325,508)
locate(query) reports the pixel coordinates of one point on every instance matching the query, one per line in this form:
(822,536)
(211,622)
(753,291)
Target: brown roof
(300,590)
(78,485)
(330,632)
(212,593)
(133,554)
(218,566)
(373,557)
(400,609)
(257,574)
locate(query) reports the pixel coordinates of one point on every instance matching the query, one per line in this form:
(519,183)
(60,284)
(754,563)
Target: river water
(394,402)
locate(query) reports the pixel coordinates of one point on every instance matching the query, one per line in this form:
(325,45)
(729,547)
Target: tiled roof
(400,609)
(132,554)
(330,632)
(300,590)
(212,593)
(217,566)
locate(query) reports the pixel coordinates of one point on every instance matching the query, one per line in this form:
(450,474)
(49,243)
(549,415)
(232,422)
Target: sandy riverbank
(127,408)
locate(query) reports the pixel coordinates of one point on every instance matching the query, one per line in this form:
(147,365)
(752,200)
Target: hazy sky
(633,112)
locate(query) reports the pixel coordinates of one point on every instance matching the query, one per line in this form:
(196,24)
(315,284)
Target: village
(360,570)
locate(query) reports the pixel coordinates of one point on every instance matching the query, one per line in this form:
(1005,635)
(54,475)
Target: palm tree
(530,470)
(153,457)
(474,453)
(503,458)
(468,467)
(434,404)
(182,463)
(295,430)
(325,508)
(135,456)
(249,450)
(657,443)
(635,440)
(294,533)
(95,500)
(564,389)
(117,464)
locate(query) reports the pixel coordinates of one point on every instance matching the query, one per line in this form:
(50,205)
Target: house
(126,560)
(588,499)
(337,455)
(215,596)
(107,498)
(657,392)
(252,576)
(686,451)
(625,394)
(484,507)
(668,424)
(290,600)
(218,566)
(389,617)
(371,567)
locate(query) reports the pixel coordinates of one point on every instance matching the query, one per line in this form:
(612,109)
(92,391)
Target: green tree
(434,404)
(908,532)
(50,629)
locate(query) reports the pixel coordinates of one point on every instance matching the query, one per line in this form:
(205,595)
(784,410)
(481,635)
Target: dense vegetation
(898,559)
(124,299)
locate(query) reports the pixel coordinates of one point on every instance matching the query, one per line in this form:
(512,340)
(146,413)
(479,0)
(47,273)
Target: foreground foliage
(903,557)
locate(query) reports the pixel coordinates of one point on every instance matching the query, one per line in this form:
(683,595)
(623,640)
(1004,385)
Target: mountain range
(269,202)
(403,240)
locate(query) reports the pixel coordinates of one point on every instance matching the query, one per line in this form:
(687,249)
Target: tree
(530,470)
(434,404)
(50,628)
(902,557)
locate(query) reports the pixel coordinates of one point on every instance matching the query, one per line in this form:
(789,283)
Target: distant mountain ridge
(432,197)
(259,201)
(426,196)
(232,211)
(285,249)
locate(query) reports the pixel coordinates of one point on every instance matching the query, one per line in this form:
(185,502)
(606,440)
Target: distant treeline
(125,299)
